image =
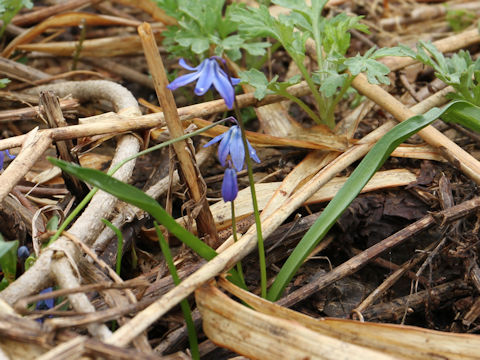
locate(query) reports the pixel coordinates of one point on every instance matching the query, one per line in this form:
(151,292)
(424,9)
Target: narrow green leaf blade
(352,187)
(139,199)
(465,114)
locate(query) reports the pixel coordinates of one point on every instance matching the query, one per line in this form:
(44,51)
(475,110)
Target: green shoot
(10,8)
(118,233)
(330,82)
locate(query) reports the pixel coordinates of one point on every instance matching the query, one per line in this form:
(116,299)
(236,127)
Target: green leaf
(355,183)
(119,235)
(256,48)
(9,8)
(376,72)
(169,6)
(255,22)
(465,114)
(258,80)
(336,35)
(187,314)
(401,50)
(297,5)
(333,82)
(200,46)
(459,71)
(138,198)
(4,82)
(459,19)
(8,261)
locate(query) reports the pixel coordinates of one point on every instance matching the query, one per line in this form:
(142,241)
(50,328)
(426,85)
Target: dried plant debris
(240,159)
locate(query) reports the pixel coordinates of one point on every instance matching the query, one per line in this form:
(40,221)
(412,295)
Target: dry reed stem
(65,19)
(247,243)
(391,280)
(451,151)
(243,203)
(88,225)
(71,349)
(151,8)
(124,71)
(127,213)
(18,70)
(32,112)
(140,342)
(184,150)
(98,48)
(116,123)
(61,270)
(448,44)
(259,336)
(34,147)
(45,12)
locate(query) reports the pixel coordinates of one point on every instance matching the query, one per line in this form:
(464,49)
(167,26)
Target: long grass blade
(357,180)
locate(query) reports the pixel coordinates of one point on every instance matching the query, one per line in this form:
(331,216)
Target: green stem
(119,235)
(316,94)
(235,239)
(300,103)
(261,248)
(337,99)
(187,314)
(318,42)
(73,215)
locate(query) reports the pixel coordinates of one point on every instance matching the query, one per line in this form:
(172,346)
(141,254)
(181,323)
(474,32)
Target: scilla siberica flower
(231,143)
(208,73)
(2,157)
(229,185)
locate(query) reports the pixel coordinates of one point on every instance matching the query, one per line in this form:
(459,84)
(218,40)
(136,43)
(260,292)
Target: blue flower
(47,303)
(2,157)
(229,185)
(208,73)
(232,144)
(23,253)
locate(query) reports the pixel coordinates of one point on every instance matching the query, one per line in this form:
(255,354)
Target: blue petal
(9,155)
(224,147)
(45,304)
(183,64)
(237,151)
(223,86)
(2,157)
(23,252)
(235,81)
(205,80)
(215,140)
(253,153)
(229,185)
(183,80)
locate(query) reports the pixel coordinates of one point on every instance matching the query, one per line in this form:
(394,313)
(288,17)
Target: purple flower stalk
(231,143)
(208,73)
(2,157)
